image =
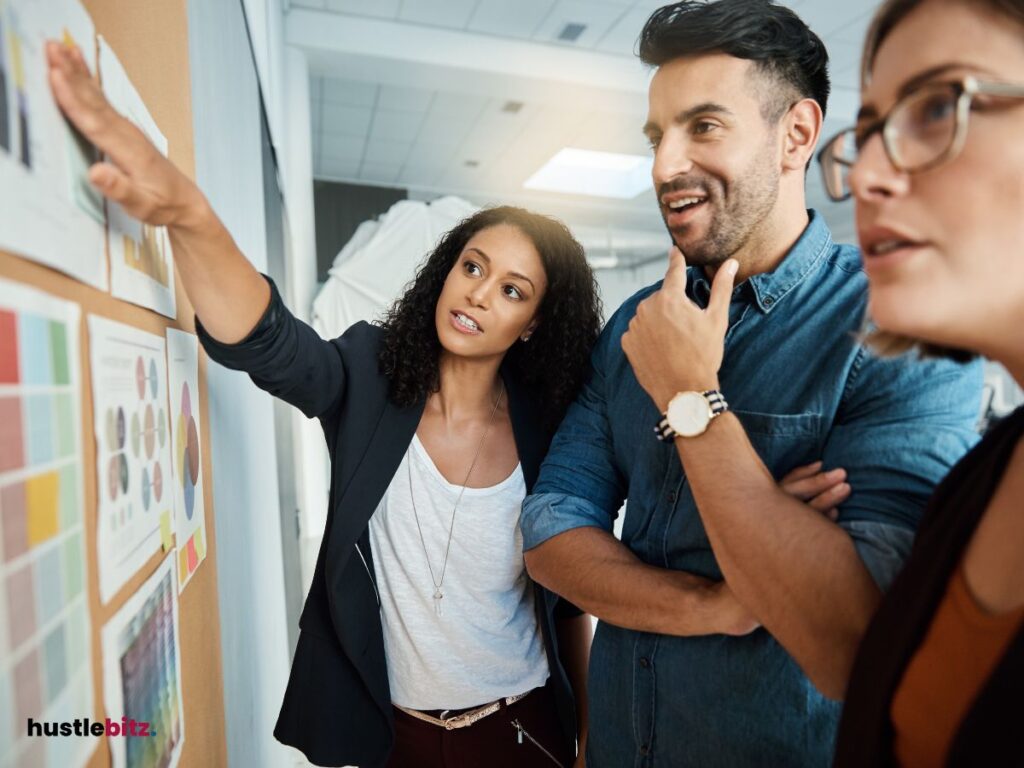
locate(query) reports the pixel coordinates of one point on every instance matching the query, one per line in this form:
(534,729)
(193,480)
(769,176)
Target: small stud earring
(525,337)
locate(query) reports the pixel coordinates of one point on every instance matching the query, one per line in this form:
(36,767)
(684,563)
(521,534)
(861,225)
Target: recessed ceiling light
(571,32)
(512,106)
(597,174)
(471,163)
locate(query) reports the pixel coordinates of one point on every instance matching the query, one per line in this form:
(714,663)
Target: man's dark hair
(783,48)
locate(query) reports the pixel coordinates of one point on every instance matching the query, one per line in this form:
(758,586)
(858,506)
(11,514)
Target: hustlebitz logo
(83,726)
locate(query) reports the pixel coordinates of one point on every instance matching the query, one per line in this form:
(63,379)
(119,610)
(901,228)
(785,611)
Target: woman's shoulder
(360,337)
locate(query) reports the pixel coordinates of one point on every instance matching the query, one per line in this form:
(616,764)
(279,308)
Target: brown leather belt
(464,719)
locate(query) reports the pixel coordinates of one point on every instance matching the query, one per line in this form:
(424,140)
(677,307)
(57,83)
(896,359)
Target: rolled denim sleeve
(580,484)
(882,547)
(903,423)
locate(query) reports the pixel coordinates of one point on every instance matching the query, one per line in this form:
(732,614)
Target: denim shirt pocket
(785,441)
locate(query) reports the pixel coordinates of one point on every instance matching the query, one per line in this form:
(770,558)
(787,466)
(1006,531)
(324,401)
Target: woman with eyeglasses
(936,167)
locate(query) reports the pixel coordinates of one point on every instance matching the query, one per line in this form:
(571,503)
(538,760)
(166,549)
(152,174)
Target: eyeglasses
(924,129)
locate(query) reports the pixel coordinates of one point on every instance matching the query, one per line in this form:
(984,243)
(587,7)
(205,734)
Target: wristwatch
(689,414)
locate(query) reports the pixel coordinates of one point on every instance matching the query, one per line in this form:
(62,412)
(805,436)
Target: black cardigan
(337,707)
(991,733)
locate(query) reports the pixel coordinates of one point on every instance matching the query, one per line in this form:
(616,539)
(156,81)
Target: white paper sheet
(45,647)
(186,441)
(142,675)
(141,267)
(133,449)
(48,210)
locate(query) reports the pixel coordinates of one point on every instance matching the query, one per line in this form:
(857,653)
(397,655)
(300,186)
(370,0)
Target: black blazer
(337,707)
(990,734)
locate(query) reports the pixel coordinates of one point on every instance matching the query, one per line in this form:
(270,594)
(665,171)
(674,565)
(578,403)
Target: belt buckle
(453,722)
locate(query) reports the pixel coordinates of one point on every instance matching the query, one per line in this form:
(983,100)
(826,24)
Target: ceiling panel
(621,38)
(409,99)
(595,16)
(457,106)
(338,168)
(379,174)
(420,176)
(350,121)
(342,147)
(454,14)
(382,9)
(352,93)
(380,152)
(510,19)
(442,132)
(395,125)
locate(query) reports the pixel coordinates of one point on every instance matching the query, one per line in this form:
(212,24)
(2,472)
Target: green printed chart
(45,659)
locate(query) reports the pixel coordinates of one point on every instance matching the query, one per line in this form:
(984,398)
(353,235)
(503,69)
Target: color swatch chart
(143,680)
(129,378)
(45,661)
(189,509)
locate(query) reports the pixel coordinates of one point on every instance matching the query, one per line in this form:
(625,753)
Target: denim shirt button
(644,662)
(672,497)
(644,749)
(768,301)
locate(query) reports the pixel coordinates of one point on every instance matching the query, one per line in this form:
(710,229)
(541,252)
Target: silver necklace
(439,583)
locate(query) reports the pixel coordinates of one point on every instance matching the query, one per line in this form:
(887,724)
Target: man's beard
(751,198)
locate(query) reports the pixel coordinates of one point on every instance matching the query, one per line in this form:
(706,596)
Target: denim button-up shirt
(804,388)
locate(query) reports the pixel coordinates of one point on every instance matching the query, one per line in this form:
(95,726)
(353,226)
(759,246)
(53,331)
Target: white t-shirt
(486,644)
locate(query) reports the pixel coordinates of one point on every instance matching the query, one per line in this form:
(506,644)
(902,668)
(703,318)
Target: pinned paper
(165,531)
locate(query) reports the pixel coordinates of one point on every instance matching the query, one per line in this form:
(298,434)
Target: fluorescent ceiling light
(597,174)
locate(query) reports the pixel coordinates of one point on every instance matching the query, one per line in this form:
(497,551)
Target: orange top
(946,673)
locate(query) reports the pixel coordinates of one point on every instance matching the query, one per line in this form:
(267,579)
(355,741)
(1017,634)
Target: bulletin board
(150,38)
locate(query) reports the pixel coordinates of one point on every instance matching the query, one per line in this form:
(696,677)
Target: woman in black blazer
(935,164)
(446,407)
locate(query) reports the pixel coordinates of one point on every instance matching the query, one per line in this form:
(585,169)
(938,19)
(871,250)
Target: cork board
(151,39)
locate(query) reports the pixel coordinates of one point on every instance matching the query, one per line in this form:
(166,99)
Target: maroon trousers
(494,742)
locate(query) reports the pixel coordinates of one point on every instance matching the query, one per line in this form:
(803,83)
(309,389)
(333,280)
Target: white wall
(254,641)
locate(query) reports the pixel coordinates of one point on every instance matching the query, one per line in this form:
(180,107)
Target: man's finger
(721,288)
(833,497)
(801,472)
(675,278)
(809,487)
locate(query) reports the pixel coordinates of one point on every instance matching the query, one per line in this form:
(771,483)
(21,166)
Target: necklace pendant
(437,600)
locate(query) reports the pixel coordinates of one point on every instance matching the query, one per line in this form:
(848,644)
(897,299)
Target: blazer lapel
(354,612)
(531,442)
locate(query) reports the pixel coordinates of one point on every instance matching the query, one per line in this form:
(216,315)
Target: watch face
(689,414)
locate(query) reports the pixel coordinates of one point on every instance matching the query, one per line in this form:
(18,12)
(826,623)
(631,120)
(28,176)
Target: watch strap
(717,403)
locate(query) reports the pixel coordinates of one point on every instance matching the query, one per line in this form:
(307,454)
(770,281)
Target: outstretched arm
(227,292)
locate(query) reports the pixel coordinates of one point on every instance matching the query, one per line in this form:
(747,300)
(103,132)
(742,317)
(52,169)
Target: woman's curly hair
(554,362)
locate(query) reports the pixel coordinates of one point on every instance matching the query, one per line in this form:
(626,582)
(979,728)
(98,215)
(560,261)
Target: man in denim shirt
(730,611)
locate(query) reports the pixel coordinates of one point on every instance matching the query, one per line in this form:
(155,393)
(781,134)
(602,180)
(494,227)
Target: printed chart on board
(133,449)
(189,508)
(141,270)
(49,212)
(45,657)
(142,674)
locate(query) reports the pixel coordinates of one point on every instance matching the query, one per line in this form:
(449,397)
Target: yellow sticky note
(200,545)
(182,566)
(42,493)
(165,530)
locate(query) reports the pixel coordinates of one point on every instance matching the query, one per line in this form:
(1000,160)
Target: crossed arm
(601,575)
